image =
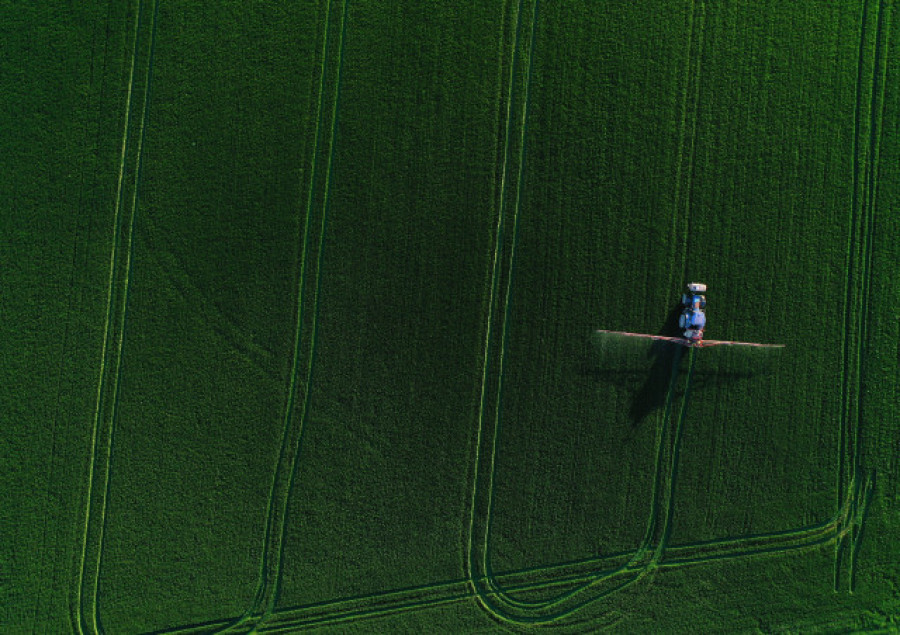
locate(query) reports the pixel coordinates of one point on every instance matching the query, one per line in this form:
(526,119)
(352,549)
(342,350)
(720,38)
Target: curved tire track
(496,601)
(663,556)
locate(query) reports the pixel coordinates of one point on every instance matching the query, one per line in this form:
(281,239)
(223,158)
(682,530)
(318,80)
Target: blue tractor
(692,319)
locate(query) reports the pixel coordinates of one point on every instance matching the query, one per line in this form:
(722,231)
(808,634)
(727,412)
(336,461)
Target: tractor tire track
(219,322)
(780,542)
(360,607)
(94,95)
(695,116)
(876,117)
(297,408)
(478,566)
(665,557)
(530,611)
(848,262)
(858,262)
(673,468)
(851,258)
(497,602)
(498,195)
(304,412)
(517,184)
(85,617)
(773,542)
(351,609)
(377,605)
(693,54)
(691,77)
(660,475)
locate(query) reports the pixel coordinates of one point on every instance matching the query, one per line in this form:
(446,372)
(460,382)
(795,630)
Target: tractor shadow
(623,363)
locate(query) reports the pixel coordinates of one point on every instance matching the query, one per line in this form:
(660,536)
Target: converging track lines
(684,177)
(497,601)
(85,613)
(352,609)
(491,596)
(868,116)
(297,401)
(508,196)
(582,582)
(653,552)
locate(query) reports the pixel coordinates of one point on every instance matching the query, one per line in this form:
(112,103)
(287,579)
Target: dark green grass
(296,432)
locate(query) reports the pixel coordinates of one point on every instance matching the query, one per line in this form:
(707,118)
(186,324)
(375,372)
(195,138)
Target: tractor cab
(692,319)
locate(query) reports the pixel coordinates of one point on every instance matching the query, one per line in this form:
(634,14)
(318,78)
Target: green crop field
(299,301)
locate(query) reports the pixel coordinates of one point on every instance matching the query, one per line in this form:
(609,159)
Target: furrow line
(135,199)
(504,333)
(682,135)
(673,470)
(696,25)
(495,600)
(472,567)
(849,266)
(695,116)
(459,590)
(858,263)
(498,602)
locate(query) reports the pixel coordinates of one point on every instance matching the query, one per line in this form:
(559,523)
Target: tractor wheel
(685,301)
(681,321)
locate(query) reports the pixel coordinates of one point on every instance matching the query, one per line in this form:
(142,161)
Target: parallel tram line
(495,600)
(85,616)
(691,76)
(876,117)
(304,410)
(501,275)
(663,484)
(254,618)
(492,590)
(580,573)
(697,59)
(354,608)
(780,542)
(90,101)
(858,263)
(496,264)
(297,407)
(849,271)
